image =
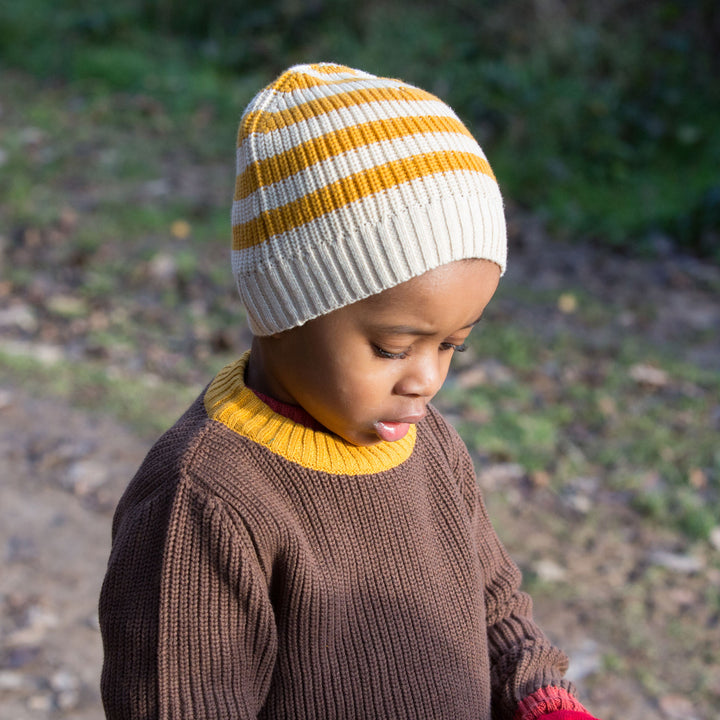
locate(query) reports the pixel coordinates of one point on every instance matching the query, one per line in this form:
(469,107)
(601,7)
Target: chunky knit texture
(349,184)
(551,703)
(238,407)
(249,583)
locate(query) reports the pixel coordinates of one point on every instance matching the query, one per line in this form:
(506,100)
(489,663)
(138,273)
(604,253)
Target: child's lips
(394,430)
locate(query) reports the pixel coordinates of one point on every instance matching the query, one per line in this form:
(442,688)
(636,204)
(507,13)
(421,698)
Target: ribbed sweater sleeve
(219,615)
(184,609)
(129,608)
(522,659)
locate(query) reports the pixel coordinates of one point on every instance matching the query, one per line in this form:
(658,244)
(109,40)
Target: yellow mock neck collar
(230,402)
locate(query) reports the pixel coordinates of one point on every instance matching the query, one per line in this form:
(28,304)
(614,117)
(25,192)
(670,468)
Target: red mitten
(551,703)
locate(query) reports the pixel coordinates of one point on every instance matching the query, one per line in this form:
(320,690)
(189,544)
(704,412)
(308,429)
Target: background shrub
(601,117)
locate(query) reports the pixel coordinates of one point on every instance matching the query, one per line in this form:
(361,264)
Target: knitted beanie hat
(349,184)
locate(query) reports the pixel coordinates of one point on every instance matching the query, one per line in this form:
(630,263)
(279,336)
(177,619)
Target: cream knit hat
(347,185)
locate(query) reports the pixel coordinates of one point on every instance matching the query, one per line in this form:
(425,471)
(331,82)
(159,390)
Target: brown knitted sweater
(262,569)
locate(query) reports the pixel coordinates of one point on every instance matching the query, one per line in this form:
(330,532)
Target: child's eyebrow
(473,323)
(410,330)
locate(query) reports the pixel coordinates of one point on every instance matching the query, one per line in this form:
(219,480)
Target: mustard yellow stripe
(283,165)
(347,190)
(251,119)
(331,69)
(262,121)
(231,403)
(280,83)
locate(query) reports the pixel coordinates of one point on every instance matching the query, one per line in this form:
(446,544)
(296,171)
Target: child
(308,540)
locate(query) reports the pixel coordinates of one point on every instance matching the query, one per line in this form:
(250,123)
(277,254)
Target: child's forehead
(432,284)
(449,289)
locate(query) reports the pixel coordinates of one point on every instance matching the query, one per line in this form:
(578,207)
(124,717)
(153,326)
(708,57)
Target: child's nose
(422,378)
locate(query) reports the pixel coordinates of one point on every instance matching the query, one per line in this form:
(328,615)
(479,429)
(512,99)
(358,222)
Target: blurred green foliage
(600,116)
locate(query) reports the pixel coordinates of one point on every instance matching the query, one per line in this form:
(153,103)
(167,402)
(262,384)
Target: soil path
(63,471)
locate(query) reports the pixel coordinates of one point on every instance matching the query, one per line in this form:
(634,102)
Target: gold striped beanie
(349,184)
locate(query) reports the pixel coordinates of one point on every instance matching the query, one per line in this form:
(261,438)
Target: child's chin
(360,438)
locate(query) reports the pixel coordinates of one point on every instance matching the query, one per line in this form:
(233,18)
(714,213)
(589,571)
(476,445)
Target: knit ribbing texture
(230,402)
(243,584)
(349,184)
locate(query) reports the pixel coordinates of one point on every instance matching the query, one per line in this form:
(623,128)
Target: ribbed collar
(230,402)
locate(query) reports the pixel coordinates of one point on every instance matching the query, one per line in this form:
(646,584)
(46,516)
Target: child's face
(367,370)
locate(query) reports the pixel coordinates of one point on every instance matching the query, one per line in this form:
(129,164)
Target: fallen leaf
(697,478)
(649,375)
(549,571)
(677,707)
(67,306)
(607,405)
(567,303)
(180,229)
(675,562)
(540,478)
(474,377)
(715,537)
(68,220)
(162,267)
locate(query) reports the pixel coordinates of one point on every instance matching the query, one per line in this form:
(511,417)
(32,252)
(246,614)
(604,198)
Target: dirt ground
(597,580)
(63,471)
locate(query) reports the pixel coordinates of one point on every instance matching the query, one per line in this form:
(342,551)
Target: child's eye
(389,355)
(452,346)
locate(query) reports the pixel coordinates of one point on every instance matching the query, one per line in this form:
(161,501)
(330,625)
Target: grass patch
(117,245)
(571,411)
(94,386)
(584,121)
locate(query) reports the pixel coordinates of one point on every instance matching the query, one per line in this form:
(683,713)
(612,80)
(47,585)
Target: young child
(308,541)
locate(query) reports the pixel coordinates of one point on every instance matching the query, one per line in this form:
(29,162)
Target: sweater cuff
(551,703)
